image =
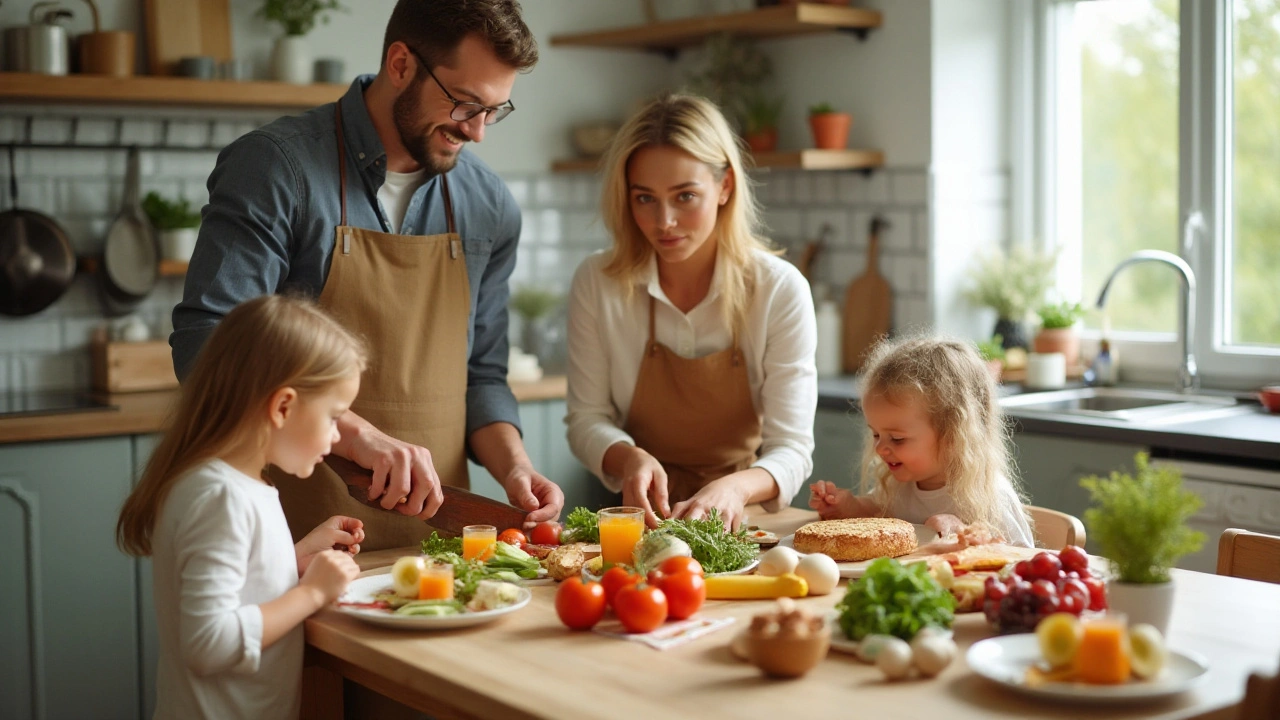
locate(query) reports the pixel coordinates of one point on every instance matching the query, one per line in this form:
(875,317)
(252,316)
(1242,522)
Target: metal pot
(37,263)
(41,47)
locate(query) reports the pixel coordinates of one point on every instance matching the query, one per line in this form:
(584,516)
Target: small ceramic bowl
(1269,396)
(786,656)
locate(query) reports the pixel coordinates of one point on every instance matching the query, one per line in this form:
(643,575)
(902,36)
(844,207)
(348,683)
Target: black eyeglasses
(462,109)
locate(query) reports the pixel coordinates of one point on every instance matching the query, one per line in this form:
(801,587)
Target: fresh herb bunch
(822,108)
(992,349)
(1013,283)
(1062,315)
(1140,521)
(582,525)
(169,215)
(893,599)
(298,17)
(717,549)
(436,545)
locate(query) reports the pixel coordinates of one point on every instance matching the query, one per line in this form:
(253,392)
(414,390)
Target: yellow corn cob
(755,587)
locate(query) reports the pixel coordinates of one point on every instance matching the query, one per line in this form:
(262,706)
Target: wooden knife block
(132,366)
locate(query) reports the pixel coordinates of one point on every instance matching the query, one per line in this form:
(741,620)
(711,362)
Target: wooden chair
(1261,694)
(1249,555)
(1056,530)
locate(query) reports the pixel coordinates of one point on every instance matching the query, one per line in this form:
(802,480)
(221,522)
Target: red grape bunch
(1045,584)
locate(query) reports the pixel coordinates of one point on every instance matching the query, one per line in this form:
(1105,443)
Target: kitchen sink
(1128,404)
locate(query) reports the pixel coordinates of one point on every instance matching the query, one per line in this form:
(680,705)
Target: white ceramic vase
(1150,603)
(178,244)
(291,60)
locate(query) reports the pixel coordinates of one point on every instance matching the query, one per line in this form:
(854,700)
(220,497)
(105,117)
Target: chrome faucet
(1187,380)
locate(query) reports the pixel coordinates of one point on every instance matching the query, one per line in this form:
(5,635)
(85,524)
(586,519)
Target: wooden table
(528,665)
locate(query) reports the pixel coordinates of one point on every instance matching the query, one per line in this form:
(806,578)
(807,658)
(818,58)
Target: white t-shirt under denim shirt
(914,505)
(221,547)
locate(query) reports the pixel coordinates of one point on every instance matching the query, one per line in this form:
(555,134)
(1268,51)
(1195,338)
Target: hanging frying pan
(36,261)
(130,256)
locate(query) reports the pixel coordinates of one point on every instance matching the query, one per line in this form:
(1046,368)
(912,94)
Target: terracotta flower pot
(830,130)
(762,141)
(1060,340)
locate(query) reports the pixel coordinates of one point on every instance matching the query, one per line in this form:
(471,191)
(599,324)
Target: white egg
(779,560)
(820,571)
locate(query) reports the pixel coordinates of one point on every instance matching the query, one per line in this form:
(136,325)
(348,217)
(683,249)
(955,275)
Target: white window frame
(1042,152)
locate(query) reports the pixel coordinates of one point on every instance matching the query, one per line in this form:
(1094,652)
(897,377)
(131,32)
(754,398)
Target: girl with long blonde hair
(692,384)
(936,449)
(231,587)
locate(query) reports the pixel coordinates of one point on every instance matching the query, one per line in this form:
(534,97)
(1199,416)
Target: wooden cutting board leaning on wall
(186,28)
(868,304)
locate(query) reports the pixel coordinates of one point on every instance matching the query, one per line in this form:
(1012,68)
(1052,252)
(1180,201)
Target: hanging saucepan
(130,256)
(37,263)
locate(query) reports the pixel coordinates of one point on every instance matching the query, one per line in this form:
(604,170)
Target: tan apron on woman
(408,296)
(695,415)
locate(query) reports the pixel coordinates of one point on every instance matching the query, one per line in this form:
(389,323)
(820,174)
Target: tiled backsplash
(82,190)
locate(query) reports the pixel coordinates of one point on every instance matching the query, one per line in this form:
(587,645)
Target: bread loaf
(856,539)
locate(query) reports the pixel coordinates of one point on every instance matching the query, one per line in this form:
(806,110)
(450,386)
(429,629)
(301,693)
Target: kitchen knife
(460,508)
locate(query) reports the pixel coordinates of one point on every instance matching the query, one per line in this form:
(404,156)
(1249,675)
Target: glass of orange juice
(620,530)
(435,582)
(478,542)
(1103,655)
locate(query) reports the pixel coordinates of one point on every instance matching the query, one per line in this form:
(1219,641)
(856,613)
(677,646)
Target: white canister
(1046,370)
(178,244)
(291,60)
(828,351)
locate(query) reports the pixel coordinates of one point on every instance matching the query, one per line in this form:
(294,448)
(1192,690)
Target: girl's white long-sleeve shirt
(221,547)
(607,336)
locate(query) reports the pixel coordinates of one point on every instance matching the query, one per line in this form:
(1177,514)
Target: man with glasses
(373,206)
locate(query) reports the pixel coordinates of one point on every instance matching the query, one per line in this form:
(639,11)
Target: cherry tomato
(678,564)
(616,578)
(546,533)
(580,605)
(512,536)
(640,607)
(685,593)
(1073,558)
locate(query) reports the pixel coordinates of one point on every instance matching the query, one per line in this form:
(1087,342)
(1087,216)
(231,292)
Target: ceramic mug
(1046,370)
(329,70)
(201,67)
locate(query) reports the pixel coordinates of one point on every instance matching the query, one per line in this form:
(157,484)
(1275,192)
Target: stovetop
(49,402)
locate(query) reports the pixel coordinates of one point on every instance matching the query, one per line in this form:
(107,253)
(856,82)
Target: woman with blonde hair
(692,384)
(936,450)
(231,587)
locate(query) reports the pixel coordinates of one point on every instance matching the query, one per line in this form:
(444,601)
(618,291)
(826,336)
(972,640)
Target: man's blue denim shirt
(269,228)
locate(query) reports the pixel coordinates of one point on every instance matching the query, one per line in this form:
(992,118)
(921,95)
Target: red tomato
(685,593)
(616,578)
(546,533)
(580,605)
(673,565)
(512,536)
(640,607)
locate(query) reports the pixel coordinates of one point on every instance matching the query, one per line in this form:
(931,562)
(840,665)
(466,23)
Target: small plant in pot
(760,115)
(176,222)
(992,351)
(291,57)
(534,305)
(1012,284)
(1139,522)
(830,128)
(1058,332)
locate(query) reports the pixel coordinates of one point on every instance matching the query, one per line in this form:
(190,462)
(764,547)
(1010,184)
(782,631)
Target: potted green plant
(733,69)
(992,351)
(761,113)
(534,306)
(1012,284)
(830,128)
(1058,332)
(175,222)
(1139,522)
(291,58)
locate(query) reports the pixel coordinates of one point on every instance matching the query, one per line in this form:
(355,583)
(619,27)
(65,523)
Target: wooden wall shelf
(808,159)
(153,90)
(768,22)
(173,268)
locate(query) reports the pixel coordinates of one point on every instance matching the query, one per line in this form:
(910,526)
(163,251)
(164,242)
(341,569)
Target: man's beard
(405,112)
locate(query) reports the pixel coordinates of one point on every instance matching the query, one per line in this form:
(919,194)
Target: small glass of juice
(435,582)
(478,542)
(620,530)
(1103,655)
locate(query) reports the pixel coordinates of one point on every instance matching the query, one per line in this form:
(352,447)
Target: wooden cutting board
(868,304)
(186,28)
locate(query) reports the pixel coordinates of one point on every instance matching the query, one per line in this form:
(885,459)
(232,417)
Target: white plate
(1005,660)
(363,590)
(740,571)
(924,534)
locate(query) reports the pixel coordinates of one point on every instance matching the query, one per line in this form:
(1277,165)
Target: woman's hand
(339,532)
(643,477)
(725,495)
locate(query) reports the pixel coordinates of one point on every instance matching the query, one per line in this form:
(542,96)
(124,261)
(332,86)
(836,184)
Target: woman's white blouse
(607,336)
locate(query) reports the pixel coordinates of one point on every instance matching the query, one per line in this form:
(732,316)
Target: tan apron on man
(409,297)
(695,415)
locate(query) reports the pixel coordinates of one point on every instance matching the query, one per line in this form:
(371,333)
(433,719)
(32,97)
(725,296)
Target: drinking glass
(478,542)
(435,582)
(620,530)
(1103,655)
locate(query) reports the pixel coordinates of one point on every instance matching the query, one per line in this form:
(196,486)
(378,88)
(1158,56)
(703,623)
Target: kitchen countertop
(1253,435)
(141,413)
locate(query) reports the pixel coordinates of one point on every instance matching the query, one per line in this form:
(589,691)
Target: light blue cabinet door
(68,599)
(837,438)
(148,636)
(1051,468)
